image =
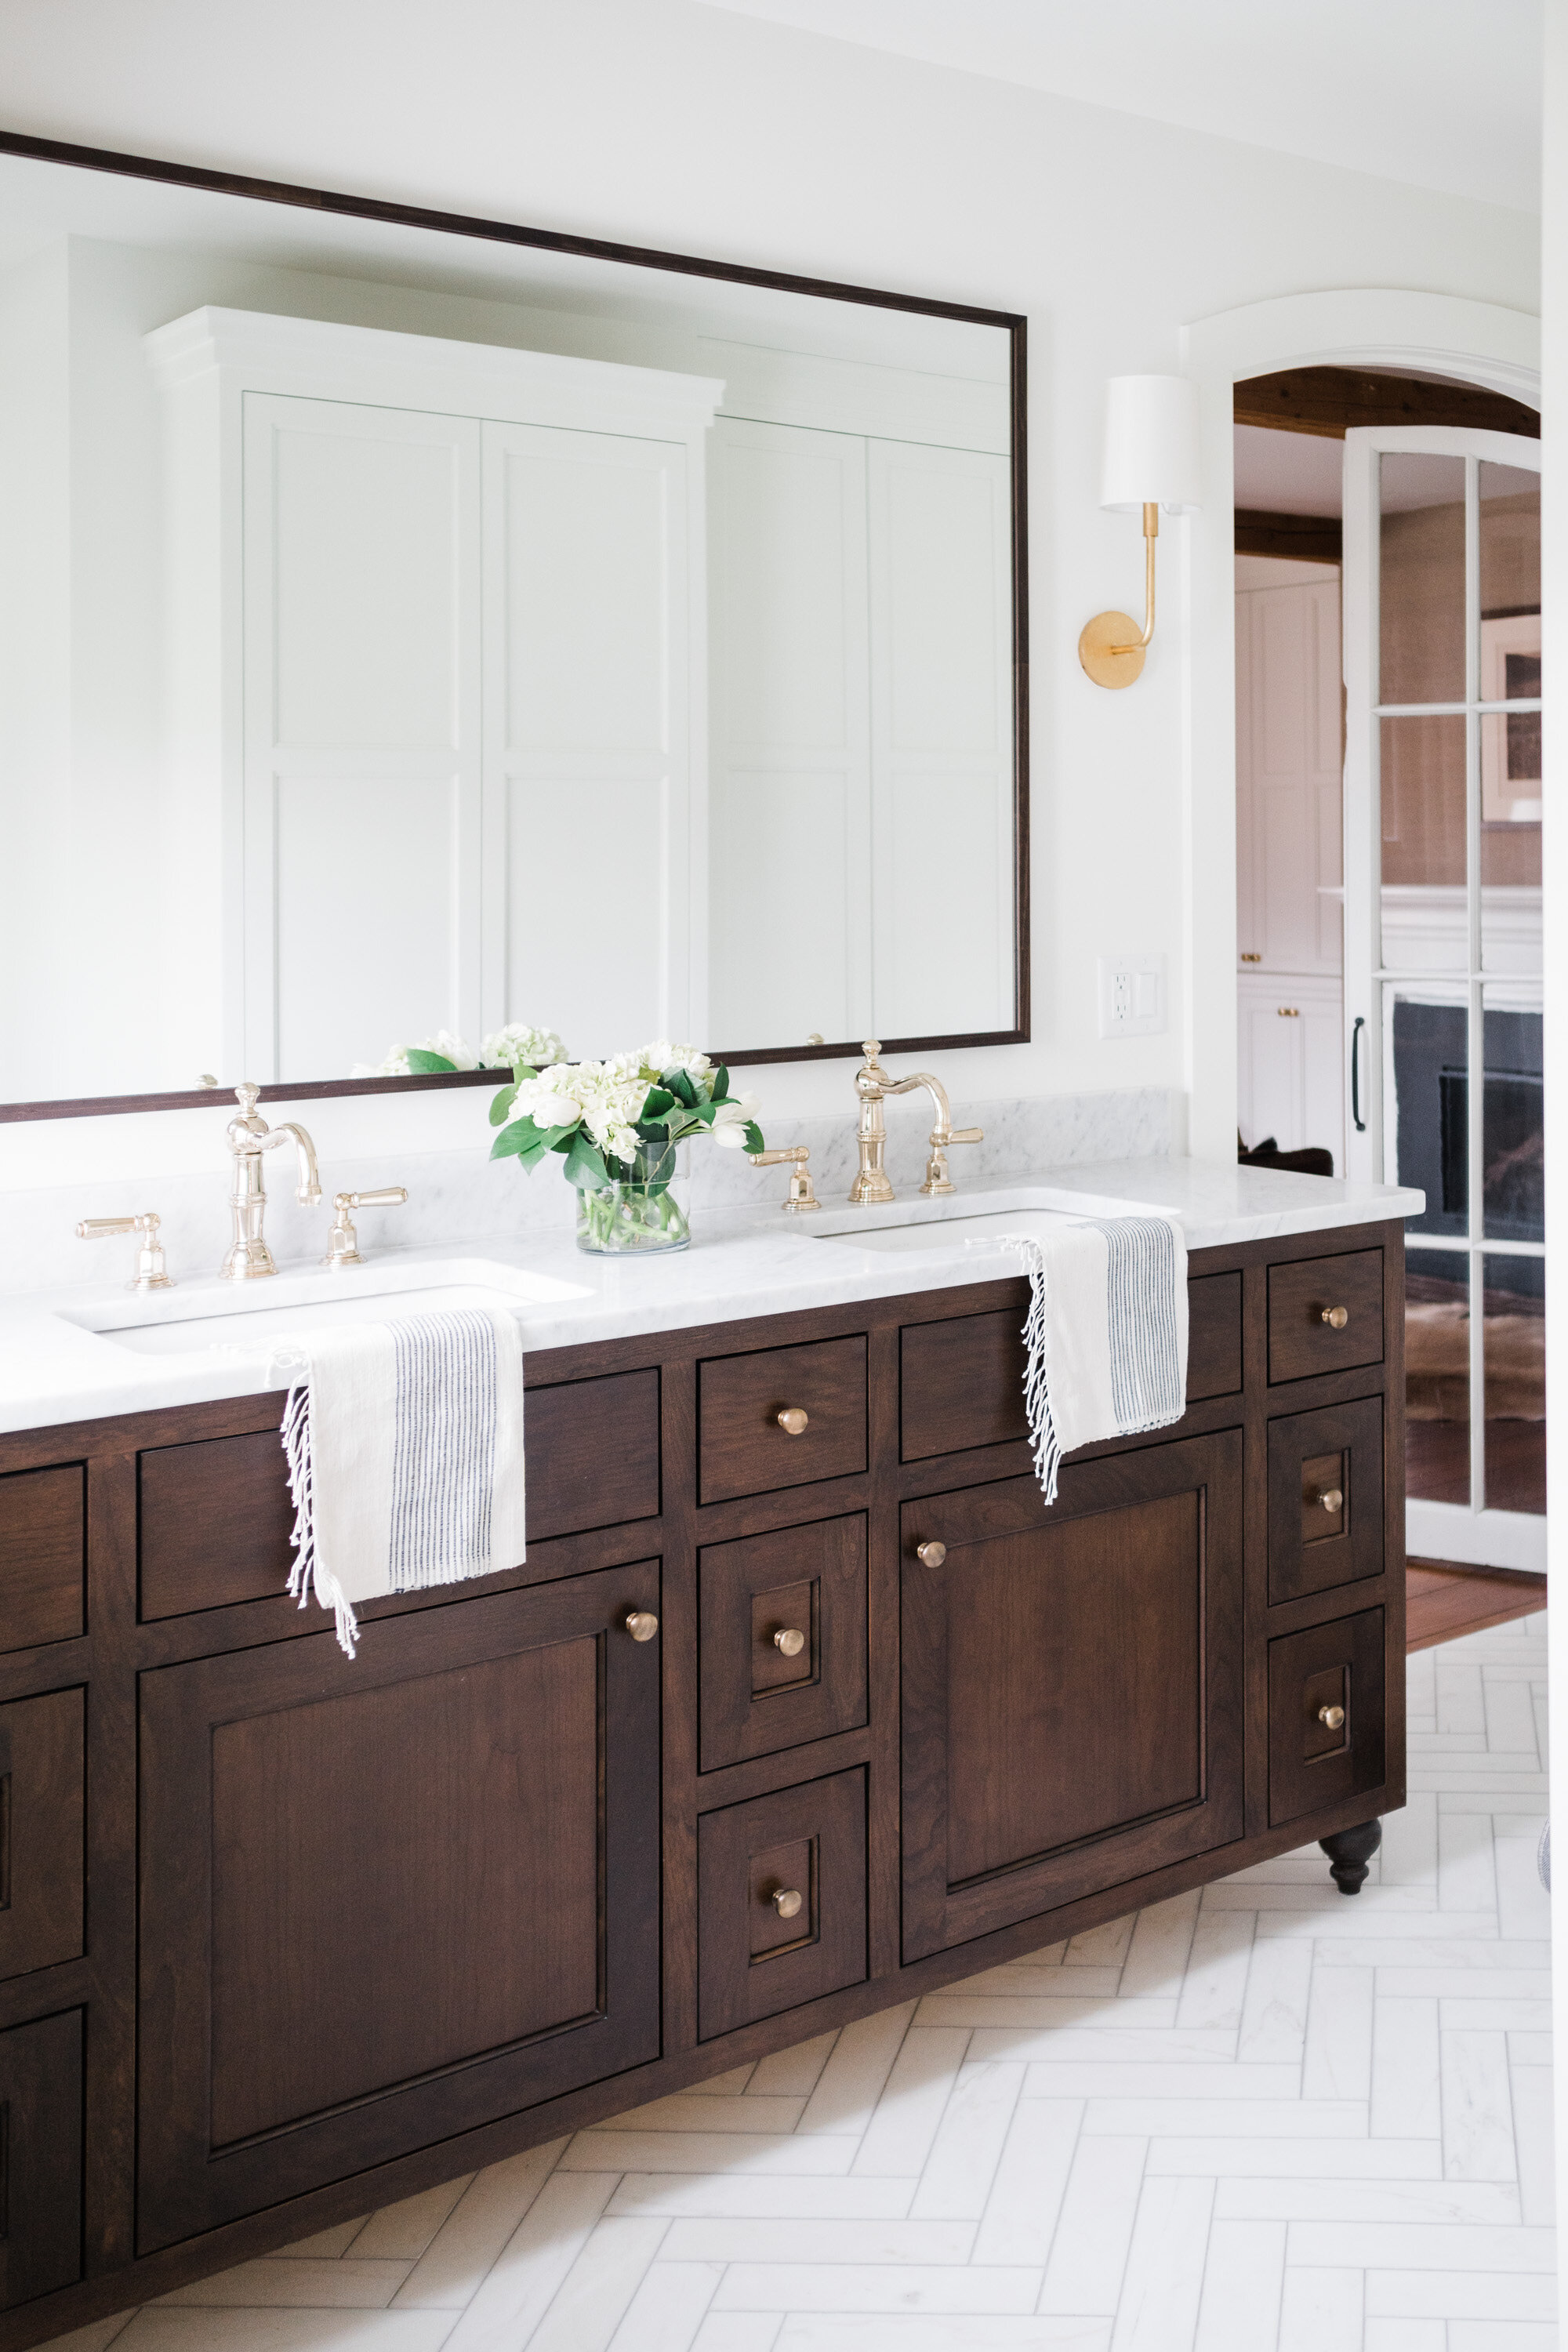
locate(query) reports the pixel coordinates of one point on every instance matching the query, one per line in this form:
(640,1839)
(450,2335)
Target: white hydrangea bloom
(455,1050)
(520,1045)
(662,1056)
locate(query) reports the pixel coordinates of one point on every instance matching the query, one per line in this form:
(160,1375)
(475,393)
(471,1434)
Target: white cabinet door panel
(1289,1062)
(942,761)
(362,769)
(1287,775)
(588,734)
(790,791)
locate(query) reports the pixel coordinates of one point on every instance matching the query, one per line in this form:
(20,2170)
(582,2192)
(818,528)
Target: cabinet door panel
(40,2158)
(388,1900)
(1071,1685)
(43,1744)
(43,1555)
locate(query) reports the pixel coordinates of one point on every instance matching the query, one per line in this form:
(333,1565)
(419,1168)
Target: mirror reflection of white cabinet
(1290,1079)
(436,622)
(862,734)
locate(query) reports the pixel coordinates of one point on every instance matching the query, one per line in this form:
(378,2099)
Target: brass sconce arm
(1111,647)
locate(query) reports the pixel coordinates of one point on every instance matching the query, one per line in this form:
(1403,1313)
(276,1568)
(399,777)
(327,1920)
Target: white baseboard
(1477,1538)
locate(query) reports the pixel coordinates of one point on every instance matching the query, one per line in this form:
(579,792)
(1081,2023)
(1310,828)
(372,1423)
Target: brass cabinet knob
(1332,1499)
(1336,1317)
(792,1421)
(790,1640)
(786,1901)
(641,1624)
(1333,1716)
(932,1554)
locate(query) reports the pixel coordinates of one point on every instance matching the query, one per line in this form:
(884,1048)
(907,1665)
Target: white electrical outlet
(1132,995)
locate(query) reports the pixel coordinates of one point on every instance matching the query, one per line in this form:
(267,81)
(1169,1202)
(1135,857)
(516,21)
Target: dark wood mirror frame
(324,200)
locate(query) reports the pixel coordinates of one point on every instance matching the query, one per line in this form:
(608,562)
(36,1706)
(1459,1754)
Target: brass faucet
(248,1136)
(873,1085)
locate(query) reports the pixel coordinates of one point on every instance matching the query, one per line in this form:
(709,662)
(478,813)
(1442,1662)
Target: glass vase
(640,1214)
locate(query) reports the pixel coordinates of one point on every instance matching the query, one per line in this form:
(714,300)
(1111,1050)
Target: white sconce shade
(1152,445)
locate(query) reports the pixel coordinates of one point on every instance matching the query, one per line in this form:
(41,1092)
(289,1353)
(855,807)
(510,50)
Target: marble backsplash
(457,1200)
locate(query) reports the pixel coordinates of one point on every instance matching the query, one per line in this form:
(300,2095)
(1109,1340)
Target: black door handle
(1355,1074)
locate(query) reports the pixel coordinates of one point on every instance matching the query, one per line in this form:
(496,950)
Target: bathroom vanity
(288,1938)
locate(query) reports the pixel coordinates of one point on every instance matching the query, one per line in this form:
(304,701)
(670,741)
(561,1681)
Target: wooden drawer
(1311,1764)
(42,1756)
(754,1698)
(1301,1341)
(1312,1456)
(742,1446)
(810,1841)
(43,1555)
(40,2099)
(215,1515)
(962,1379)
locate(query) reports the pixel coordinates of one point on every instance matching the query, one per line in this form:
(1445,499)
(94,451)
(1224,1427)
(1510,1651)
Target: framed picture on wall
(1510,740)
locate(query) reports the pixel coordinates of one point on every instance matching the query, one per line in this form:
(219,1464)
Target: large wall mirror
(412,626)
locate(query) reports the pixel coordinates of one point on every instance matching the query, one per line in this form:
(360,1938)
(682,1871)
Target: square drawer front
(1325,1498)
(40,2099)
(216,1515)
(1326,1732)
(1305,1301)
(780,1901)
(781,1417)
(782,1625)
(43,1555)
(43,1744)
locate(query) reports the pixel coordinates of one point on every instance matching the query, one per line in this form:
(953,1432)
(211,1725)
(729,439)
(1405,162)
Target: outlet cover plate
(1132,995)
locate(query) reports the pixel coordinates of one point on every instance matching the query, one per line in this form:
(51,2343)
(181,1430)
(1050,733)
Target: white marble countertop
(83,1354)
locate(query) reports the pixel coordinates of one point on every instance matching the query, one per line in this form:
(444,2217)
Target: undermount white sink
(280,1309)
(909,1225)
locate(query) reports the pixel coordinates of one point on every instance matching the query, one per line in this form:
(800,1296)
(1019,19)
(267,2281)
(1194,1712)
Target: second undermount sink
(948,1224)
(282,1309)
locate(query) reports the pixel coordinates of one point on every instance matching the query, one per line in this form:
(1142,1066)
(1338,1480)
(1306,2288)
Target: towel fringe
(1045,1443)
(307,1574)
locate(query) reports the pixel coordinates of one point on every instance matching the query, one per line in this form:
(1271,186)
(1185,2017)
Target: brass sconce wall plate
(1109,649)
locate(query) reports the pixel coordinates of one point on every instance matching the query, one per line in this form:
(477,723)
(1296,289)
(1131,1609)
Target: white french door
(1443,939)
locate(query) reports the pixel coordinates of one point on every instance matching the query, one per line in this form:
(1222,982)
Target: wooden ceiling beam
(1329,400)
(1303,539)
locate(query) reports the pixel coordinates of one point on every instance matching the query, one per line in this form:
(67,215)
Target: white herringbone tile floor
(1263,2118)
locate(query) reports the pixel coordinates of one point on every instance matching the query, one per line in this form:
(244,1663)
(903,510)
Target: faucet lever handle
(964,1135)
(343,1242)
(151,1271)
(800,1195)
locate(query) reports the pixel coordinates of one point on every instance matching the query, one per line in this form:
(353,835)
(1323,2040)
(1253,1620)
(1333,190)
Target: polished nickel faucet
(248,1136)
(873,1085)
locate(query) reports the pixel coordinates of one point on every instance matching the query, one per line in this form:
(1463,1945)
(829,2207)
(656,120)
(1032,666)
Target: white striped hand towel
(1107,1334)
(405,1446)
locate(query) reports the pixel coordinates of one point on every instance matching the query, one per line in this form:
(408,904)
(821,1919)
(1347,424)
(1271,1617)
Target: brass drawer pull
(1254,958)
(641,1624)
(1332,1499)
(792,1421)
(931,1554)
(1336,1317)
(786,1901)
(1333,1716)
(1289,1013)
(790,1640)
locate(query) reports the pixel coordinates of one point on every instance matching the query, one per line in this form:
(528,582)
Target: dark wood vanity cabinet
(286,1937)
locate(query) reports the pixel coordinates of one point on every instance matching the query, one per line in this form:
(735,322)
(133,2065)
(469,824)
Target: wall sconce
(1150,461)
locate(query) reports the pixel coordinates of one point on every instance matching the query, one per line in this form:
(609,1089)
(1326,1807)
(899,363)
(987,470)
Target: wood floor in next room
(1258,2118)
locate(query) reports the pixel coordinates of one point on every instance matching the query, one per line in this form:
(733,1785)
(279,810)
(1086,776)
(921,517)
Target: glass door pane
(1437,1376)
(1514,1335)
(1421,599)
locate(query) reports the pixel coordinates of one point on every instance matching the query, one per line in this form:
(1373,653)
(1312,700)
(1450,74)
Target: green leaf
(754,1137)
(659,1101)
(721,1084)
(502,1104)
(521,1135)
(426,1064)
(584,1162)
(682,1088)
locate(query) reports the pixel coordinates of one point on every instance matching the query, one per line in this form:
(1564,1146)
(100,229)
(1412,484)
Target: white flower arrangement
(607,1118)
(517,1046)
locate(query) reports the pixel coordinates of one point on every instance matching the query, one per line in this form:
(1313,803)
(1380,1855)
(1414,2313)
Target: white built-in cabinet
(861,755)
(437,628)
(1289,862)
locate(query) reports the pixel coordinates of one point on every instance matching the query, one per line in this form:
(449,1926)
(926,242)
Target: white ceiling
(1443,94)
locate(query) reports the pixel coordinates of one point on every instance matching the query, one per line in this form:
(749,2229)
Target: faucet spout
(873,1085)
(248,1136)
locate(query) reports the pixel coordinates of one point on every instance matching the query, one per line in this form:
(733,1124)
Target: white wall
(674,125)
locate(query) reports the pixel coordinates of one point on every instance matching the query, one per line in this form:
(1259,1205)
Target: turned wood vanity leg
(1350,1851)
